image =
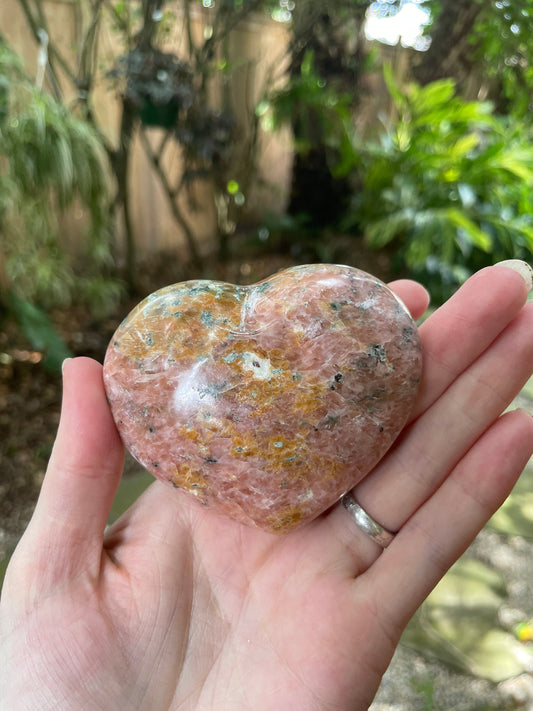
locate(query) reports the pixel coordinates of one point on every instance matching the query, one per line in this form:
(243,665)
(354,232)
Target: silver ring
(365,522)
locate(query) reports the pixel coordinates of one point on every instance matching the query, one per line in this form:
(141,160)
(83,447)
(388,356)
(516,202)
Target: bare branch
(164,142)
(191,47)
(176,211)
(89,49)
(54,55)
(234,19)
(123,25)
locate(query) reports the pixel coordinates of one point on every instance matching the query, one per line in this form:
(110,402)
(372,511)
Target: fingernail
(523,268)
(63,364)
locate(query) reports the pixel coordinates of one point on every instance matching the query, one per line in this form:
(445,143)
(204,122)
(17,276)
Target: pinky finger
(442,528)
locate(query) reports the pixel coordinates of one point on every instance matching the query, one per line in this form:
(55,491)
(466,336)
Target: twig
(53,53)
(191,47)
(235,19)
(163,144)
(179,217)
(88,51)
(123,25)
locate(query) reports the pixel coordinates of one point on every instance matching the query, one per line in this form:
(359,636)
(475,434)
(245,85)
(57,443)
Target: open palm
(174,607)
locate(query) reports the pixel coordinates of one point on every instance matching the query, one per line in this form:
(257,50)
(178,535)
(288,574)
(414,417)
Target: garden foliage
(317,112)
(49,161)
(503,43)
(448,184)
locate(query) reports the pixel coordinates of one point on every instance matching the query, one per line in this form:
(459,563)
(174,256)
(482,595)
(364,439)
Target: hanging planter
(158,85)
(162,115)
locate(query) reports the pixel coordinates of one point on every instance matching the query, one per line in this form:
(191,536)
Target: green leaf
(397,95)
(381,232)
(474,233)
(39,330)
(464,145)
(514,162)
(437,93)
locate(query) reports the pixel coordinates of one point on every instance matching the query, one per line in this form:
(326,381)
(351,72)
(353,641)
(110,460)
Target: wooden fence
(255,47)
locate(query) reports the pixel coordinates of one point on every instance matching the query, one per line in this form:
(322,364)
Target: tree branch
(178,215)
(35,26)
(123,25)
(235,19)
(54,55)
(191,47)
(164,142)
(89,49)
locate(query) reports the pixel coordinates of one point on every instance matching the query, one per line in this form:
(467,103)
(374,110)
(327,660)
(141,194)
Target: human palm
(175,607)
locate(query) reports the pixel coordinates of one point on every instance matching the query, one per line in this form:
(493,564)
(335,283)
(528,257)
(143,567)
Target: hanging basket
(159,115)
(158,85)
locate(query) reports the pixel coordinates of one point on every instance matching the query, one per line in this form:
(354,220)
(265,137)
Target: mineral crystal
(265,402)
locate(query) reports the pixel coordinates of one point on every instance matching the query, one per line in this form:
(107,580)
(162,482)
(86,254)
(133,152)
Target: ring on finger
(365,522)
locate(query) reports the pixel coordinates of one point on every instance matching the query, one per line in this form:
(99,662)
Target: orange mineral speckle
(244,445)
(189,478)
(286,519)
(190,434)
(282,452)
(310,399)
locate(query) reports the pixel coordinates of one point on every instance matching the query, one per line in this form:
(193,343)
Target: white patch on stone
(186,395)
(307,495)
(368,303)
(261,368)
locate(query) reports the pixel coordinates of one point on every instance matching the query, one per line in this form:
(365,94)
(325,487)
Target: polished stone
(265,402)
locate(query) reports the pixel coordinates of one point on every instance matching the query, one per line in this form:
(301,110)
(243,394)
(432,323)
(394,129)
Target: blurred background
(145,142)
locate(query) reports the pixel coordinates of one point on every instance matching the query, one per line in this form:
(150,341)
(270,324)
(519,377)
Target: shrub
(449,184)
(49,161)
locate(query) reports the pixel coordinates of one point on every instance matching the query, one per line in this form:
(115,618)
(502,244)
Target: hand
(174,607)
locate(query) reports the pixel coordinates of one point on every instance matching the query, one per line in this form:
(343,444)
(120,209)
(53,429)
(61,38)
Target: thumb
(83,473)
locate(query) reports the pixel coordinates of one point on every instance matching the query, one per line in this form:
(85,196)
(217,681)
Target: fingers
(466,386)
(84,469)
(460,330)
(439,532)
(434,443)
(413,295)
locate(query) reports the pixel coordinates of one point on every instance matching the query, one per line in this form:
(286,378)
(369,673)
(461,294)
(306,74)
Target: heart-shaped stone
(265,402)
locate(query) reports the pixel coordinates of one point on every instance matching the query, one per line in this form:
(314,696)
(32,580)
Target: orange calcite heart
(265,402)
